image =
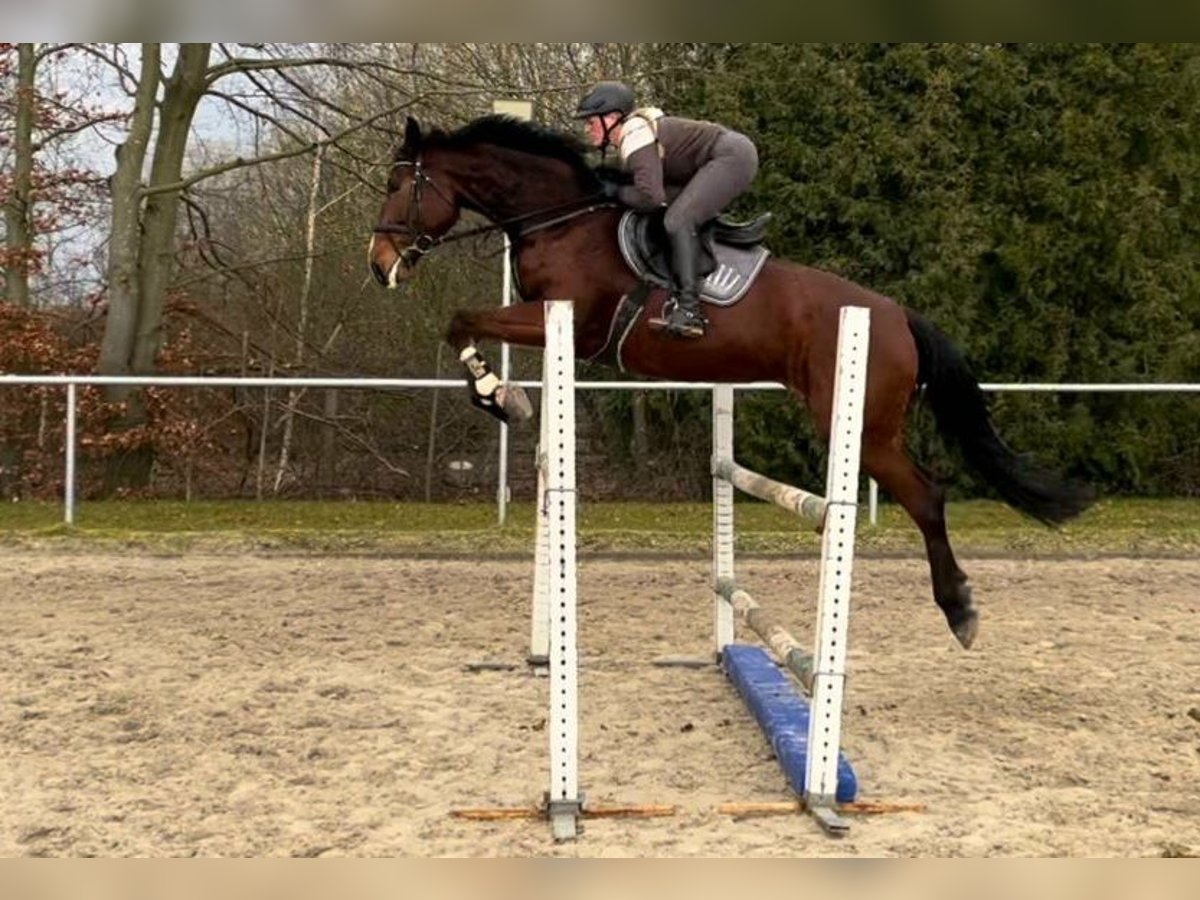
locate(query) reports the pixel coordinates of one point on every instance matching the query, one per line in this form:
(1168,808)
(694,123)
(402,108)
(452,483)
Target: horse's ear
(412,138)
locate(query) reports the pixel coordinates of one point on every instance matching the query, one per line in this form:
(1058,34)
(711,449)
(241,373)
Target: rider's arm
(646,192)
(639,153)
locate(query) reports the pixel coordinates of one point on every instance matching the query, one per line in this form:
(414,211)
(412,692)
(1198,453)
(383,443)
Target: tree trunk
(156,253)
(18,210)
(431,448)
(142,253)
(116,347)
(329,443)
(294,395)
(18,234)
(639,443)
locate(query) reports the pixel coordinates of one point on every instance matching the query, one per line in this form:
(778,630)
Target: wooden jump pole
(793,499)
(786,648)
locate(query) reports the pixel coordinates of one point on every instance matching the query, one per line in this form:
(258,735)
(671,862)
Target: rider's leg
(685,318)
(715,186)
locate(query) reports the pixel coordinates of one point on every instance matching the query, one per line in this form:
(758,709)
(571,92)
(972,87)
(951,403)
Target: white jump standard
(553,632)
(806,741)
(554,622)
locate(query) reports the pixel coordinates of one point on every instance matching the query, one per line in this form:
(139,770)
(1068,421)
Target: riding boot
(684,318)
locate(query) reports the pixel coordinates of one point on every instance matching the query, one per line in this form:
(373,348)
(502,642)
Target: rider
(695,169)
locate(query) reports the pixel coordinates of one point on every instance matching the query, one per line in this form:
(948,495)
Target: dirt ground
(242,705)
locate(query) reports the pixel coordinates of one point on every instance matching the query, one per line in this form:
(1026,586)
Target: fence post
(69,479)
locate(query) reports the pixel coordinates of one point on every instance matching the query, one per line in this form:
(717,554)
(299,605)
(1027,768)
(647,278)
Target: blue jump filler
(782,713)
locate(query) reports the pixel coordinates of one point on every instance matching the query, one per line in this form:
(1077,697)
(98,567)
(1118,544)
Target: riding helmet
(606,97)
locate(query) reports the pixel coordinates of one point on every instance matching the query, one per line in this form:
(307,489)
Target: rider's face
(595,129)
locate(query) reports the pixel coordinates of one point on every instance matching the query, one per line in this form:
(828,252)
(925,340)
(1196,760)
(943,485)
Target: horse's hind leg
(924,500)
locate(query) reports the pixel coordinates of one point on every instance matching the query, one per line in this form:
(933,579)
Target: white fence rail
(72,382)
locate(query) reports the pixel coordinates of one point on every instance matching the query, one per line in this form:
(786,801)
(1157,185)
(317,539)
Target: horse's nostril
(380,275)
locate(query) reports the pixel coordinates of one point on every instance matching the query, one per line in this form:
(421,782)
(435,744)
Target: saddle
(731,253)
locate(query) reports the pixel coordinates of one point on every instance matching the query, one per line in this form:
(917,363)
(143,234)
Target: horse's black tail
(961,412)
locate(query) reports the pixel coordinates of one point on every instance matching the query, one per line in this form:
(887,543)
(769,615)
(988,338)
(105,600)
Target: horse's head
(519,176)
(419,209)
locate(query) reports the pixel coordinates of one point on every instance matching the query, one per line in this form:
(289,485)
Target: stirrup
(680,321)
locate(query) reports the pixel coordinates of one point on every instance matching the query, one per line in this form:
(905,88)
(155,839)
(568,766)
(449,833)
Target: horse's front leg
(522,324)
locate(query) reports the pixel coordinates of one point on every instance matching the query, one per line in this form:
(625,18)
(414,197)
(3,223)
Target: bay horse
(536,185)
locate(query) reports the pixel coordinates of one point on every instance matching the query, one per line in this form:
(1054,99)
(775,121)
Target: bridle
(424,242)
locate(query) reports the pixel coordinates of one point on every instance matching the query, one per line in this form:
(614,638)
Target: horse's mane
(524,137)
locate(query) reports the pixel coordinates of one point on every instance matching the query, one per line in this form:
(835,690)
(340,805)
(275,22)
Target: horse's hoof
(967,628)
(513,400)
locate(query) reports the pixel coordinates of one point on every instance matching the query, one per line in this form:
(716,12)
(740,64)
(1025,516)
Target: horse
(536,185)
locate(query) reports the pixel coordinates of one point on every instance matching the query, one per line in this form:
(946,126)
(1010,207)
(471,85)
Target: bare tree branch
(236,268)
(367,67)
(315,98)
(362,442)
(82,125)
(208,248)
(288,107)
(240,162)
(126,74)
(260,114)
(48,50)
